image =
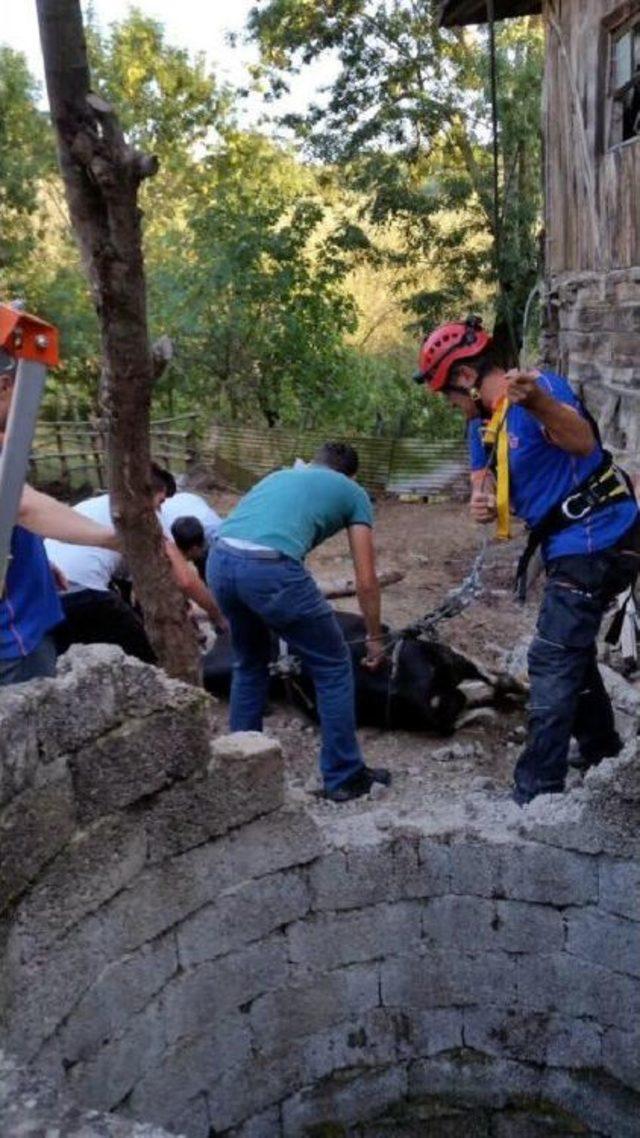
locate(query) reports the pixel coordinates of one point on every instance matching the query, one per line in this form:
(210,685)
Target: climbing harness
(607,484)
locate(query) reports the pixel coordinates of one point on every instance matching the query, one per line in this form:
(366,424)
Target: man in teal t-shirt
(257,573)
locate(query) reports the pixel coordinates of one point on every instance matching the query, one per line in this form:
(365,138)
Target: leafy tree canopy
(408,120)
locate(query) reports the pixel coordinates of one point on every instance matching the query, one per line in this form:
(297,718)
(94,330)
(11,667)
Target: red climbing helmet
(446,346)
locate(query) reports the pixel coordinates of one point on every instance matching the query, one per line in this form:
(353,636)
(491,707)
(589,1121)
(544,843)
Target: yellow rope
(496,435)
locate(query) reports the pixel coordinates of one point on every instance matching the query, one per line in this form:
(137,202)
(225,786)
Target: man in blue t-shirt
(561,483)
(256,570)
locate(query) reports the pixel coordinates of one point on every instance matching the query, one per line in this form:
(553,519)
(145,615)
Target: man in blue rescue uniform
(29,605)
(541,457)
(256,570)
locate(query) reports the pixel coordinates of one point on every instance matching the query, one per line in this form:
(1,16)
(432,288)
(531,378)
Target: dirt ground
(434,545)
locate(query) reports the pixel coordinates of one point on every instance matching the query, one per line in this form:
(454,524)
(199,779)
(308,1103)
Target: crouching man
(534,449)
(256,571)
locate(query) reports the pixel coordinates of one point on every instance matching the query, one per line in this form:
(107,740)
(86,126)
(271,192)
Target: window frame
(618,24)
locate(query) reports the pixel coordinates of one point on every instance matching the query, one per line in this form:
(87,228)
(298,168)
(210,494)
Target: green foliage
(26,154)
(292,287)
(408,119)
(262,311)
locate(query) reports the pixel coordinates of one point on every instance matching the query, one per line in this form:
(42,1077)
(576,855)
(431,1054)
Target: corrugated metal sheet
(239,456)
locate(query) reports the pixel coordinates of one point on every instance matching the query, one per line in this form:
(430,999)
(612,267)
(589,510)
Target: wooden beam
(456,12)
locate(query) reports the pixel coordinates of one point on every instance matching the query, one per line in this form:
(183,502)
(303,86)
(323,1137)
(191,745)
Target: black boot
(360,783)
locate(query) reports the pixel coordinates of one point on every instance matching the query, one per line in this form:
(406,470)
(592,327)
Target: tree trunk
(102,176)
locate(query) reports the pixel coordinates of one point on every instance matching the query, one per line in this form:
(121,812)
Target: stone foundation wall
(592,335)
(187,943)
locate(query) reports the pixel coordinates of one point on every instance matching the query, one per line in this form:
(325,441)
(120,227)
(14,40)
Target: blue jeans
(258,595)
(37,664)
(568,697)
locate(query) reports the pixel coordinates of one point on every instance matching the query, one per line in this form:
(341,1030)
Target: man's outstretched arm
(47,517)
(188,580)
(367,589)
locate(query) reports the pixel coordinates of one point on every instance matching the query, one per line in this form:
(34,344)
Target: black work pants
(568,696)
(95,616)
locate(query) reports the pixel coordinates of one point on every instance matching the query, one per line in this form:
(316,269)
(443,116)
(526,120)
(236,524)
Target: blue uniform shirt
(29,607)
(294,510)
(542,474)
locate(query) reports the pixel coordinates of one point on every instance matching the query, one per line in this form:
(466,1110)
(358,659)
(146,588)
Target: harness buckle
(574,515)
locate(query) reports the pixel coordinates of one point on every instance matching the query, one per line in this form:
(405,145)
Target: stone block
(31,1106)
(551,876)
(604,939)
(19,754)
(445,978)
(279,1018)
(508,926)
(121,991)
(165,894)
(278,841)
(95,865)
(533,1037)
(82,703)
(627,318)
(620,888)
(139,758)
(243,781)
(593,317)
(400,868)
(434,1031)
(621,1056)
(375,1038)
(626,292)
(558,982)
(104,1080)
(235,1100)
(243,914)
(471,1080)
(41,993)
(527,872)
(263,1125)
(346,1100)
(190,1068)
(522,926)
(192,1120)
(203,995)
(603,1108)
(327,942)
(34,827)
(476,868)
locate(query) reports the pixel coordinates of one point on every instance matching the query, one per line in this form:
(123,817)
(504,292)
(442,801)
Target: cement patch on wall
(188,943)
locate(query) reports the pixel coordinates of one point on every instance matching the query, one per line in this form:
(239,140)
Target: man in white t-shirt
(184,504)
(94,612)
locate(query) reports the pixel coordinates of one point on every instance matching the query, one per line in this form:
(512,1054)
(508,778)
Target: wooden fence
(238,456)
(71,455)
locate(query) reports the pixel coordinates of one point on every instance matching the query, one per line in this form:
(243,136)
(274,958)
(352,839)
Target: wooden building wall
(593,198)
(592,221)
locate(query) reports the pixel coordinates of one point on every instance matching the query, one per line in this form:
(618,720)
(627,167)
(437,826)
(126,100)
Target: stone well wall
(592,335)
(187,942)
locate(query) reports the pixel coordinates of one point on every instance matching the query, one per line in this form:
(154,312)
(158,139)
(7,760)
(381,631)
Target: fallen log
(347,588)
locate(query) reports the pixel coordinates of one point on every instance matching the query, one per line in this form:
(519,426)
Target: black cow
(419,694)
